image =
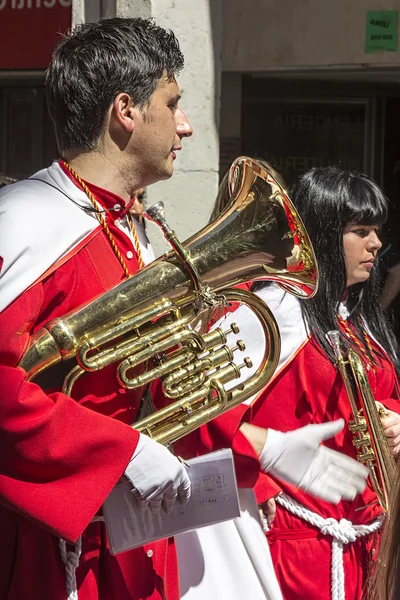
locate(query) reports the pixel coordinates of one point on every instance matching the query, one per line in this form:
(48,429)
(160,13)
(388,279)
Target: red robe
(61,457)
(307,389)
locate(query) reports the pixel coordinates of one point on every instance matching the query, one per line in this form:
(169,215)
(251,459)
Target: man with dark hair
(66,237)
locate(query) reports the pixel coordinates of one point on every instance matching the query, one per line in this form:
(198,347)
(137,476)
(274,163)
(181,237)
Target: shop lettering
(18,4)
(388,36)
(298,164)
(379,23)
(311,122)
(301,164)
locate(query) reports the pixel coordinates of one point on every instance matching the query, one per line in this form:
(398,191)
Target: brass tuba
(369,437)
(152,315)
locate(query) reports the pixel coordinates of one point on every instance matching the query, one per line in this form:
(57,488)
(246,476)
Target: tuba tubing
(184,417)
(258,236)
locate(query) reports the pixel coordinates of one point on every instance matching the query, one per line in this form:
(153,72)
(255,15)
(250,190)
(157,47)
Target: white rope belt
(343,532)
(70,559)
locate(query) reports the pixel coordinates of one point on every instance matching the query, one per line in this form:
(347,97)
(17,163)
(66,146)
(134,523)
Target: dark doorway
(298,123)
(27,141)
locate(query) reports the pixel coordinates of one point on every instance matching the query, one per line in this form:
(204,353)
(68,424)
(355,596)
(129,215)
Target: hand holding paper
(214,498)
(158,478)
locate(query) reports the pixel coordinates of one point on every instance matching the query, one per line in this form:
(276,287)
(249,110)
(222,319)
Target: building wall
(262,35)
(189,195)
(222,39)
(307,39)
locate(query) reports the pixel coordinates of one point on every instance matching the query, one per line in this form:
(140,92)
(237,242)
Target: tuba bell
(155,314)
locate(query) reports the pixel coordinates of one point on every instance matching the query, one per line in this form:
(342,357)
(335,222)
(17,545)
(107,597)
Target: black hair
(95,62)
(327,199)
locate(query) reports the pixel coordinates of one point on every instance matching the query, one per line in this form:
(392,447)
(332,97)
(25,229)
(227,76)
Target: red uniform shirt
(61,457)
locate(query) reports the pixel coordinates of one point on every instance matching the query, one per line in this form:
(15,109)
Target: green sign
(381,30)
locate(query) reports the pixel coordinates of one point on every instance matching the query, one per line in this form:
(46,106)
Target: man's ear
(124,111)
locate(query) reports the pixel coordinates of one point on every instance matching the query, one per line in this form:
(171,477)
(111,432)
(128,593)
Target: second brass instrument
(369,437)
(152,315)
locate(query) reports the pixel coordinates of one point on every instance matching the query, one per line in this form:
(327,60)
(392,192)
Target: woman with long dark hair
(339,209)
(320,550)
(343,213)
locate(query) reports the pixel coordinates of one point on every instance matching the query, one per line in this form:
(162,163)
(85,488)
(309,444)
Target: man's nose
(183,127)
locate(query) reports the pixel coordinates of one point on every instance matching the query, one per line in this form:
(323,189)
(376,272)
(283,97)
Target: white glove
(299,458)
(158,478)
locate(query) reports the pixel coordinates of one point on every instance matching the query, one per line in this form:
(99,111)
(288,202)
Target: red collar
(107,199)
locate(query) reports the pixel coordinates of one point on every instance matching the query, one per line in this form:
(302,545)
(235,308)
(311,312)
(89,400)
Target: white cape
(228,561)
(42,219)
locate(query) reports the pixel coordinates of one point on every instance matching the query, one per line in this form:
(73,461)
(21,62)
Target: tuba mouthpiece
(156,214)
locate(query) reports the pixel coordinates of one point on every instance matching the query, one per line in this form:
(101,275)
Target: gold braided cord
(105,226)
(357,342)
(136,241)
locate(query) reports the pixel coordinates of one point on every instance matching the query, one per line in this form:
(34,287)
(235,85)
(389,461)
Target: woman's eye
(366,232)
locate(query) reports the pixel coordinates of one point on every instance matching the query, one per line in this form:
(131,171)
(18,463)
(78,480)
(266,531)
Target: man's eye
(360,232)
(172,107)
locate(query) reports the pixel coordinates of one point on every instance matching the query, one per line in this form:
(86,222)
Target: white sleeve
(287,312)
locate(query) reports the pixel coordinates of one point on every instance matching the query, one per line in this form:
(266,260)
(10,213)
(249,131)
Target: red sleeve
(221,432)
(60,460)
(224,432)
(266,488)
(391,404)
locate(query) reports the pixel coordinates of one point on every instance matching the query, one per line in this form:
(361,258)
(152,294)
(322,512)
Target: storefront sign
(381,30)
(29,30)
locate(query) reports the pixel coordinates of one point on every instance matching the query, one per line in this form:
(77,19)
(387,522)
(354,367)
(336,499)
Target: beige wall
(190,193)
(260,35)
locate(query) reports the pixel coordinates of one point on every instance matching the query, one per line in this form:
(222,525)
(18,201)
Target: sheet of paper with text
(214,499)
